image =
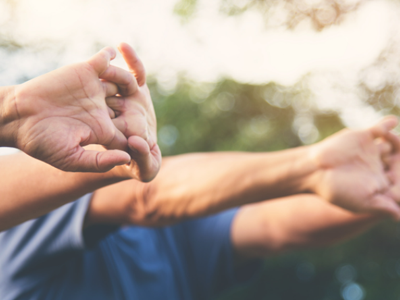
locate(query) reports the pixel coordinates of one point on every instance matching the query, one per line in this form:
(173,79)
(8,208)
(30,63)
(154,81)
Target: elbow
(273,240)
(278,240)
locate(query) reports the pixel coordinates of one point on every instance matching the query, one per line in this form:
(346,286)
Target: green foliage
(321,14)
(185,9)
(229,116)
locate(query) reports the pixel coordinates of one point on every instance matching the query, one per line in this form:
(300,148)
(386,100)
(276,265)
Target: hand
(392,162)
(135,118)
(61,111)
(353,173)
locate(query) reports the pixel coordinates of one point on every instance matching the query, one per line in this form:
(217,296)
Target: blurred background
(249,75)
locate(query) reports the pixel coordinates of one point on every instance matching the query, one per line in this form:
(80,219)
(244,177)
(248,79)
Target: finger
(382,128)
(138,146)
(100,161)
(119,141)
(147,159)
(101,60)
(394,140)
(111,113)
(390,176)
(111,89)
(109,136)
(126,83)
(385,205)
(116,103)
(135,126)
(135,65)
(384,147)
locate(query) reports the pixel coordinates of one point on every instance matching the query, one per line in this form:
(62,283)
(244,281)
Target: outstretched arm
(30,188)
(198,184)
(346,170)
(293,223)
(351,175)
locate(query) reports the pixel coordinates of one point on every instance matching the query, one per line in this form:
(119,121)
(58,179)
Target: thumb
(385,205)
(100,161)
(147,159)
(382,128)
(101,60)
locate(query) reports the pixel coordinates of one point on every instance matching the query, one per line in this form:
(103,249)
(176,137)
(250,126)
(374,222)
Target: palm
(137,121)
(62,111)
(354,175)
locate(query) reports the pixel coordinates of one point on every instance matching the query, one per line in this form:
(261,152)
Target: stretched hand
(354,172)
(133,114)
(60,112)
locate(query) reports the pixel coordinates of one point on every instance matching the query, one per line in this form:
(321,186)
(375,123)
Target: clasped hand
(53,117)
(133,114)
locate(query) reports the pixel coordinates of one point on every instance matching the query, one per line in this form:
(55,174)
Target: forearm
(31,188)
(294,223)
(194,185)
(8,116)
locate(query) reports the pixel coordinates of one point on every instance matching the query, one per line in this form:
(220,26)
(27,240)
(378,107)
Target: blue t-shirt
(49,258)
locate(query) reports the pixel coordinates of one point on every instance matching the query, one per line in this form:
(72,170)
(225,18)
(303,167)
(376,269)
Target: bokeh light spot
(353,291)
(168,135)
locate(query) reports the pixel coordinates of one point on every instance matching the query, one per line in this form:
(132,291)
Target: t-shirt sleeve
(37,244)
(210,255)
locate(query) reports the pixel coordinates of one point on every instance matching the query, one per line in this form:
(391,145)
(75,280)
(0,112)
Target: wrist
(9,118)
(278,174)
(318,181)
(311,182)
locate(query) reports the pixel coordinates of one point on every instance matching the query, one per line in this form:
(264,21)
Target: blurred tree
(322,13)
(232,116)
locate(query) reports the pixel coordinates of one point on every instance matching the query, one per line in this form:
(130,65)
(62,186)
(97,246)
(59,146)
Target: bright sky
(211,45)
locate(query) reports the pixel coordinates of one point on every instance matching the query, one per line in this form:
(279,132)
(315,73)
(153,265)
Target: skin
(224,180)
(350,169)
(267,228)
(353,176)
(45,188)
(293,223)
(135,118)
(63,187)
(53,116)
(200,184)
(369,169)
